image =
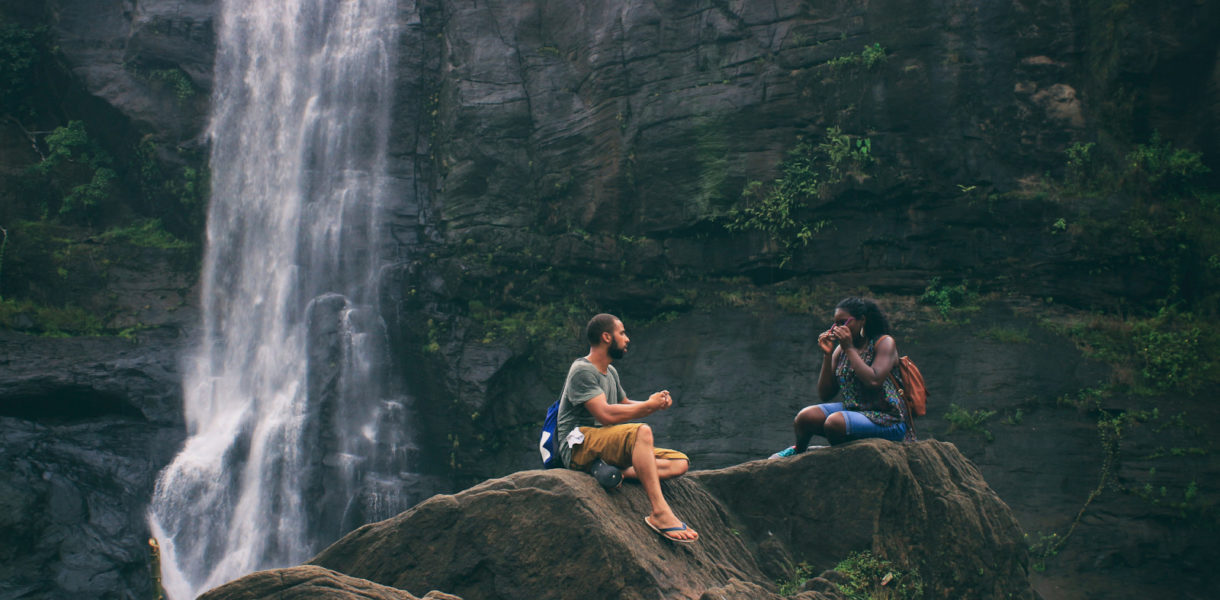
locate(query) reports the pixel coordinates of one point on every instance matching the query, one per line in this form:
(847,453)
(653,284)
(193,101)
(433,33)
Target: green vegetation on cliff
(868,58)
(79,199)
(21,50)
(75,180)
(53,276)
(948,299)
(1167,222)
(782,209)
(1168,215)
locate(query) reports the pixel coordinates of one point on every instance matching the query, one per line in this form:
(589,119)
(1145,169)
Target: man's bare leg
(644,467)
(667,468)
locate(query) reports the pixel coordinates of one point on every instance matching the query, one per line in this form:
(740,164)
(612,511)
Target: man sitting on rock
(592,425)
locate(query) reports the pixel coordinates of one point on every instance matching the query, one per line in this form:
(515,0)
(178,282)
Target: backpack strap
(895,377)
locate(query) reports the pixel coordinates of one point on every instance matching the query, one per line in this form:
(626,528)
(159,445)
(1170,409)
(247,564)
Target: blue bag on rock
(547,445)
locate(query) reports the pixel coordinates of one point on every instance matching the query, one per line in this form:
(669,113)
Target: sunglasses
(842,322)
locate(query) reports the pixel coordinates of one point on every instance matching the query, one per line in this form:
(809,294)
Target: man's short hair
(599,324)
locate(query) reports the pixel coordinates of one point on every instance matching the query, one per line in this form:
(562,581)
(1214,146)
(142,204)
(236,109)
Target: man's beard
(616,352)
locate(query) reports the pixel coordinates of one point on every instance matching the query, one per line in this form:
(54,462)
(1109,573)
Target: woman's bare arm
(886,353)
(828,385)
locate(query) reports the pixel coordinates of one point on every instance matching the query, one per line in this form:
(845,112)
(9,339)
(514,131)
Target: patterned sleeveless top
(851,393)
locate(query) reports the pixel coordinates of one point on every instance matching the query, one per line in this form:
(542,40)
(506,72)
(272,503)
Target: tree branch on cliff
(29,135)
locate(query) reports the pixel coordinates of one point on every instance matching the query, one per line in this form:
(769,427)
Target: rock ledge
(557,534)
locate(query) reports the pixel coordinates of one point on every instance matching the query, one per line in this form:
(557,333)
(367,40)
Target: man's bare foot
(671,528)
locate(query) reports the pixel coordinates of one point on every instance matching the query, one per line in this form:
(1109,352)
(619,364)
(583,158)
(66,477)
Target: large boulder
(310,583)
(557,534)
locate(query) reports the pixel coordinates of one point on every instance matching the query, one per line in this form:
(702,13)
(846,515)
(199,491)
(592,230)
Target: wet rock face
(648,117)
(85,426)
(124,53)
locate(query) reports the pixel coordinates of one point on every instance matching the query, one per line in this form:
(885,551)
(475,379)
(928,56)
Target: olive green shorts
(613,445)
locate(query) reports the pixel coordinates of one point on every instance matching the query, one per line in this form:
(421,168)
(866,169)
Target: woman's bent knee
(810,415)
(836,425)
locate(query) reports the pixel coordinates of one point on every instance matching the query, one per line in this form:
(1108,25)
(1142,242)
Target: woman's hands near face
(841,334)
(826,342)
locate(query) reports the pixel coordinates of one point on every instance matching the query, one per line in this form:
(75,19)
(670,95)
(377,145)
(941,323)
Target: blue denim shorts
(859,427)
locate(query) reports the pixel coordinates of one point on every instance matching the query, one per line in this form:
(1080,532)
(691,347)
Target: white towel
(575,438)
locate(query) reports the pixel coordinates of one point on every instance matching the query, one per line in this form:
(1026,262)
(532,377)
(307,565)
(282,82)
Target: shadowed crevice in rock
(67,404)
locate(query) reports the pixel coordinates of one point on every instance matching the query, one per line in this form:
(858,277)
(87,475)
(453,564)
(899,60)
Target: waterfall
(294,436)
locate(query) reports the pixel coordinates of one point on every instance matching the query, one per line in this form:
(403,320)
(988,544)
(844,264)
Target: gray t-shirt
(584,383)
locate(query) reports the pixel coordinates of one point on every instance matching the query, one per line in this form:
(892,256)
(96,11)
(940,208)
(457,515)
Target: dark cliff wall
(555,159)
(94,305)
(589,158)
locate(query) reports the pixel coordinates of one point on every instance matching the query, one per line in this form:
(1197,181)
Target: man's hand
(660,400)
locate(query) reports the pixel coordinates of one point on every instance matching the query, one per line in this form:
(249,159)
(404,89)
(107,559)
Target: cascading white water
(291,438)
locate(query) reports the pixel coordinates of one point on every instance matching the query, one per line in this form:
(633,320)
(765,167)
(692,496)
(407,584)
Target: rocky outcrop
(557,534)
(85,426)
(310,583)
(152,61)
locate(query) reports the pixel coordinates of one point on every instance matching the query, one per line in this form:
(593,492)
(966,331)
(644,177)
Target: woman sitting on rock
(858,355)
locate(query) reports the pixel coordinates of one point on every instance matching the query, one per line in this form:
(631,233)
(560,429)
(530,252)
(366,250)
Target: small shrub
(800,575)
(779,209)
(1169,347)
(1158,164)
(545,322)
(843,154)
(1080,169)
(961,419)
(947,298)
(177,80)
(20,51)
(83,200)
(79,169)
(1016,418)
(1168,214)
(869,577)
(801,301)
(843,61)
(1043,549)
(176,195)
(873,55)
